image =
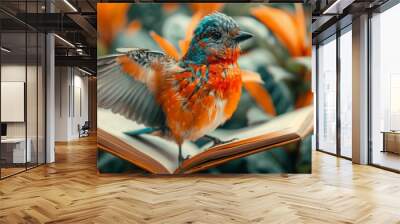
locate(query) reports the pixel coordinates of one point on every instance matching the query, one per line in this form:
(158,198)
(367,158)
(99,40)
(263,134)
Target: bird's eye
(215,35)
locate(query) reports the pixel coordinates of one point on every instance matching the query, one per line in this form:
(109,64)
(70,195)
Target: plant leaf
(184,44)
(304,99)
(134,26)
(295,65)
(300,21)
(165,45)
(282,24)
(281,94)
(280,74)
(250,76)
(112,18)
(206,8)
(261,96)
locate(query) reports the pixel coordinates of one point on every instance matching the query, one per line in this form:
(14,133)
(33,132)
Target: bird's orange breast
(196,103)
(228,85)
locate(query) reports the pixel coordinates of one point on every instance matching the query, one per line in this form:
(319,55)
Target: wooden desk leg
(384,142)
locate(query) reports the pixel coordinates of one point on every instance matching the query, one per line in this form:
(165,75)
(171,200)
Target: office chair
(84,130)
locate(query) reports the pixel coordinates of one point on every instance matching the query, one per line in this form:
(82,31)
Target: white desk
(18,150)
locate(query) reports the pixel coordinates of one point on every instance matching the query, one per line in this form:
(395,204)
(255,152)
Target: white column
(63,101)
(360,90)
(50,99)
(50,92)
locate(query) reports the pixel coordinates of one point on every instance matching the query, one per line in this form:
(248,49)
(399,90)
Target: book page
(163,151)
(294,122)
(166,152)
(286,128)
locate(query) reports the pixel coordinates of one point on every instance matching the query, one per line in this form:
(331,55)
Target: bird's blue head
(216,39)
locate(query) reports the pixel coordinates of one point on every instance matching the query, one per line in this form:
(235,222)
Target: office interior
(356,83)
(48,82)
(48,128)
(48,78)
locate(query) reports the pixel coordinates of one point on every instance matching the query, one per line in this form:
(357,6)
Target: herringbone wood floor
(70,191)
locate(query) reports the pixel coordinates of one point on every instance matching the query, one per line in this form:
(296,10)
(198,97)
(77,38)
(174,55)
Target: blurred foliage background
(276,64)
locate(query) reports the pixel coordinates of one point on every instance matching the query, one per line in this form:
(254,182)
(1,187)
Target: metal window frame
(341,27)
(382,8)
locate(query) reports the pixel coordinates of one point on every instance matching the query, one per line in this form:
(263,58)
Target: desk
(391,141)
(13,150)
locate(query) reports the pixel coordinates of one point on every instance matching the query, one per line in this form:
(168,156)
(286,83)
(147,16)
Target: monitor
(3,129)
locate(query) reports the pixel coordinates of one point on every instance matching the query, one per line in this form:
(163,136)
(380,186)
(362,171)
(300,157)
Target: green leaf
(279,91)
(296,65)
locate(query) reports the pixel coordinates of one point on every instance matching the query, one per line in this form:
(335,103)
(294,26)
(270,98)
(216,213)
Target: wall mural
(204,88)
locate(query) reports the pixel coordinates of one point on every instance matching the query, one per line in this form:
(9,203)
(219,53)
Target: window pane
(385,88)
(345,94)
(327,96)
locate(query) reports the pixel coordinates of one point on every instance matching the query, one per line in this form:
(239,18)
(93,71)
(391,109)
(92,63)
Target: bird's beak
(242,36)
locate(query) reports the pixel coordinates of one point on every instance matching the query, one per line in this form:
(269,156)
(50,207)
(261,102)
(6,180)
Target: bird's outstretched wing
(127,82)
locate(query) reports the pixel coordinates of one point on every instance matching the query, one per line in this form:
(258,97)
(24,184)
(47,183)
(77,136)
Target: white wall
(71,94)
(16,73)
(9,73)
(62,81)
(13,72)
(81,102)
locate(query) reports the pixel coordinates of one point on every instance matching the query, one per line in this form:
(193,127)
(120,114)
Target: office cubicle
(22,89)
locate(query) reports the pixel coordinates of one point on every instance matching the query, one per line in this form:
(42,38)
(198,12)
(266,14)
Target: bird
(179,100)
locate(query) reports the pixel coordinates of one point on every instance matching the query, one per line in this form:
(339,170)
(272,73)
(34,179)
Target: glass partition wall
(22,88)
(334,94)
(13,110)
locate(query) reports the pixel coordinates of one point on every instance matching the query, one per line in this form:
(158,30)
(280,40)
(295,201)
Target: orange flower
(206,8)
(133,26)
(257,91)
(183,44)
(290,28)
(167,46)
(111,18)
(170,7)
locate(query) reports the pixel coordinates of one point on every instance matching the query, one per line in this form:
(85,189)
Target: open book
(160,156)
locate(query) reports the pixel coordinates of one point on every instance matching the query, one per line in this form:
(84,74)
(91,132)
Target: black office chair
(84,130)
